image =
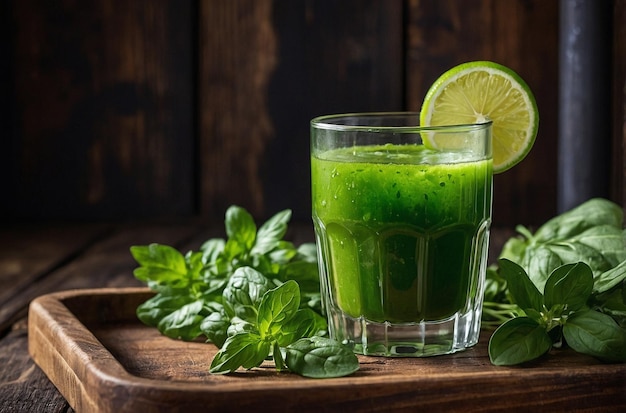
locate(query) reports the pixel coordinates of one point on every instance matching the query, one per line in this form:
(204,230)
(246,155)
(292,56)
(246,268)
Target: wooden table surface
(36,260)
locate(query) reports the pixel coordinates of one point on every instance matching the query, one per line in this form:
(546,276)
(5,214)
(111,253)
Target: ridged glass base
(407,340)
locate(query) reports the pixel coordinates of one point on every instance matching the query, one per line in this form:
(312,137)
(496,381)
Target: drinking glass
(402,216)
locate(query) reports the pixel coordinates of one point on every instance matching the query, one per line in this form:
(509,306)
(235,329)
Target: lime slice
(475,92)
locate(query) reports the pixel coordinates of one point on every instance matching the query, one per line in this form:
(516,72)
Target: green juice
(402,230)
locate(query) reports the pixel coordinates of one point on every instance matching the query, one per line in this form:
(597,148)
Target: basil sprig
(563,285)
(559,314)
(254,295)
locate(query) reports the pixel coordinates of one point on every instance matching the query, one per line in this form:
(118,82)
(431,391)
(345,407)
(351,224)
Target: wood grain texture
(23,385)
(237,56)
(102,91)
(101,360)
(64,259)
(163,109)
(29,253)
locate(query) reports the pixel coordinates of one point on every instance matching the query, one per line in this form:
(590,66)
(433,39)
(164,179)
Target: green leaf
(596,334)
(195,264)
(271,232)
(211,249)
(312,300)
(153,310)
(592,213)
(613,303)
(306,274)
(183,323)
(160,264)
(571,252)
(524,292)
(263,264)
(569,285)
(514,249)
(518,340)
(244,292)
(277,307)
(245,350)
(240,227)
(215,328)
(495,285)
(304,323)
(279,360)
(307,252)
(319,357)
(239,325)
(539,262)
(219,290)
(233,251)
(589,233)
(607,240)
(609,279)
(284,252)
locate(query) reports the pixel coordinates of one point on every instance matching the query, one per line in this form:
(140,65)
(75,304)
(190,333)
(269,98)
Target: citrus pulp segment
(480,91)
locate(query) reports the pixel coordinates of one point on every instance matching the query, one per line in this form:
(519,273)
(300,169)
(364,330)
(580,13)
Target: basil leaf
(240,227)
(271,232)
(589,214)
(277,307)
(195,264)
(153,310)
(304,323)
(539,262)
(307,252)
(233,251)
(284,252)
(244,292)
(524,292)
(319,357)
(279,359)
(607,240)
(306,274)
(514,249)
(238,325)
(591,332)
(569,285)
(211,249)
(160,264)
(572,252)
(215,327)
(184,323)
(613,302)
(245,350)
(495,285)
(609,279)
(312,300)
(518,340)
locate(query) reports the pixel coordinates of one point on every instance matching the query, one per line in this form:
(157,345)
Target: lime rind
(472,93)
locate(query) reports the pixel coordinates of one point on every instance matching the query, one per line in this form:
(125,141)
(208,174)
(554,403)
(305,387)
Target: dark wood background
(141,110)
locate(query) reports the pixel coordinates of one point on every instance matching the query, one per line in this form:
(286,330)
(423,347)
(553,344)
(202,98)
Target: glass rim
(321,122)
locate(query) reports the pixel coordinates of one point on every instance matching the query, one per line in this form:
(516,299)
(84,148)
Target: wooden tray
(101,358)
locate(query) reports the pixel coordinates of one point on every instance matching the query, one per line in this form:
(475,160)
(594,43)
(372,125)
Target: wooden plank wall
(103,107)
(163,109)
